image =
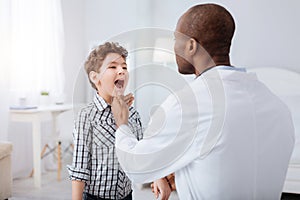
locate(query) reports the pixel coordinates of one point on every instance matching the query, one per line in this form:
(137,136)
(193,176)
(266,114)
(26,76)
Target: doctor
(225,135)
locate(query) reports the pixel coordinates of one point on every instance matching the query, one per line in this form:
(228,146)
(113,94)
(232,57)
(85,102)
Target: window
(34,41)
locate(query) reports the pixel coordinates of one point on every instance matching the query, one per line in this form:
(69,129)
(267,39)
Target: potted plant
(44,98)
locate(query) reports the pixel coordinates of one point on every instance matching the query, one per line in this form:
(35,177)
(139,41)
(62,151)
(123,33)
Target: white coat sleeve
(171,141)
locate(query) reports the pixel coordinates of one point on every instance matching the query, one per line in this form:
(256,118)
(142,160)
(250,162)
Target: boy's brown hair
(98,54)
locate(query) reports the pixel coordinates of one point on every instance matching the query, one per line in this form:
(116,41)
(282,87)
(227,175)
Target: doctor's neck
(212,62)
(221,60)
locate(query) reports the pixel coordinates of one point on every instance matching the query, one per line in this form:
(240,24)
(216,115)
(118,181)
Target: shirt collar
(224,67)
(100,102)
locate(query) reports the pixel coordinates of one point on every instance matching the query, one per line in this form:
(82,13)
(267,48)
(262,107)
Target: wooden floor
(61,190)
(52,189)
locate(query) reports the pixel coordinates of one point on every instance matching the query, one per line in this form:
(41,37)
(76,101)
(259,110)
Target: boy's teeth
(119,83)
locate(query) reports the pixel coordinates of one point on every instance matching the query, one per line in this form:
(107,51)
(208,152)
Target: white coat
(225,135)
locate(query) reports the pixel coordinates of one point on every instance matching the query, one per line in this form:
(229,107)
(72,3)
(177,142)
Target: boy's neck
(107,98)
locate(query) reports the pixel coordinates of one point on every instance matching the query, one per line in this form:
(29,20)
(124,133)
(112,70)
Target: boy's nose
(121,70)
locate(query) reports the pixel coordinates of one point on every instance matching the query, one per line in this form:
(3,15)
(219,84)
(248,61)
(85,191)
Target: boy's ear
(93,77)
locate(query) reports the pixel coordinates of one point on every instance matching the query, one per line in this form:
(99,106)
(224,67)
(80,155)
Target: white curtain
(36,54)
(31,61)
(4,66)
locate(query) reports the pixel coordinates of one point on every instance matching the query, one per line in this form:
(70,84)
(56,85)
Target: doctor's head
(106,68)
(203,37)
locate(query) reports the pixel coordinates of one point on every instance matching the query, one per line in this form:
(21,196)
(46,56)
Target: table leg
(58,160)
(36,139)
(54,133)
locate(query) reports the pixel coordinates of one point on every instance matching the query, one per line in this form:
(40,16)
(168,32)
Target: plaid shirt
(94,158)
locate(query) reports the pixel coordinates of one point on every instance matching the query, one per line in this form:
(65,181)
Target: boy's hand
(161,189)
(129,99)
(120,110)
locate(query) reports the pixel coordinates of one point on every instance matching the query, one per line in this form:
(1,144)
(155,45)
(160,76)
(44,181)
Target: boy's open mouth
(119,83)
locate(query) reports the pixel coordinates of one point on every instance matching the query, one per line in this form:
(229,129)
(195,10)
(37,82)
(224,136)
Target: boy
(95,171)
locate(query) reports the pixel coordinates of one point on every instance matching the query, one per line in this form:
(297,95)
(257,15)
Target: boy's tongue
(119,86)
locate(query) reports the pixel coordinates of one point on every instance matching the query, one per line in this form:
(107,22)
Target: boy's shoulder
(87,109)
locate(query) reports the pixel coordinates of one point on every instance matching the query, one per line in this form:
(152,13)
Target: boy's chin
(118,91)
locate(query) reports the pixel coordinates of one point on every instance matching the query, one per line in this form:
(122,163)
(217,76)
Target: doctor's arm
(160,187)
(167,143)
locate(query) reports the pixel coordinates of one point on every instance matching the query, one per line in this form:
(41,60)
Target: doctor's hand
(120,110)
(161,189)
(129,99)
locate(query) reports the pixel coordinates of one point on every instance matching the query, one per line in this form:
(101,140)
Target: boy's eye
(125,68)
(113,67)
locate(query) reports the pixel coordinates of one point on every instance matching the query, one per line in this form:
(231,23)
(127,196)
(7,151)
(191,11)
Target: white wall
(267,34)
(74,15)
(266,31)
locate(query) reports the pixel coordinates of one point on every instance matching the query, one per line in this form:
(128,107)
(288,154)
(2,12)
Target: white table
(36,116)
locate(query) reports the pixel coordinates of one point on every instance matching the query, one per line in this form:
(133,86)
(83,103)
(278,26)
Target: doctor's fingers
(116,105)
(129,98)
(119,106)
(115,102)
(123,101)
(155,190)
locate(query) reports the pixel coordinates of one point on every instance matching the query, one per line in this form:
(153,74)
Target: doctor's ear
(94,77)
(192,46)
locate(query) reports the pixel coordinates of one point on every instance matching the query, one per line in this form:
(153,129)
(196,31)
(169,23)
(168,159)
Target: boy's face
(113,76)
